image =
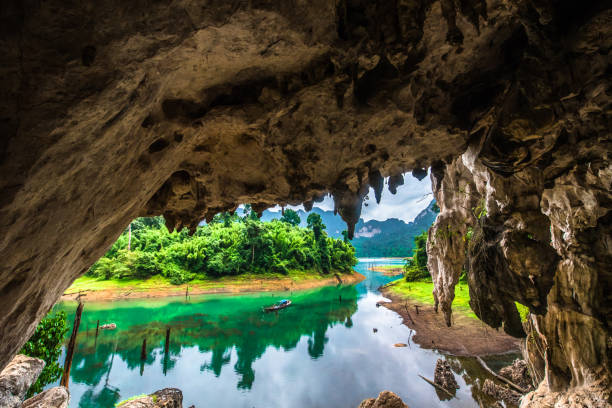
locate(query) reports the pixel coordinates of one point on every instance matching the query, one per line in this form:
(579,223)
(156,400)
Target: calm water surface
(225,352)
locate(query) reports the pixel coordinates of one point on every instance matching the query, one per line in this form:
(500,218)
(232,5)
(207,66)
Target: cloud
(411,198)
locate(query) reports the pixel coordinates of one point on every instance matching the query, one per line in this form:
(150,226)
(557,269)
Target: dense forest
(229,245)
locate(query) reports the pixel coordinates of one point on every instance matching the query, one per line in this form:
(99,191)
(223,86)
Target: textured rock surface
(166,398)
(16,379)
(444,377)
(111,110)
(386,399)
(501,393)
(56,397)
(596,394)
(518,373)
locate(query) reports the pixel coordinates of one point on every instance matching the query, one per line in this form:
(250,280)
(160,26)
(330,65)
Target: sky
(410,200)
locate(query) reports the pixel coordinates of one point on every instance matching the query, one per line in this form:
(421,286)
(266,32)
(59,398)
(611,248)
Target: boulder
(518,373)
(16,379)
(56,397)
(166,398)
(386,399)
(501,393)
(444,377)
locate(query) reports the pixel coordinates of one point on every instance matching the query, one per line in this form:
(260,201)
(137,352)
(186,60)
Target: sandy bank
(466,337)
(142,290)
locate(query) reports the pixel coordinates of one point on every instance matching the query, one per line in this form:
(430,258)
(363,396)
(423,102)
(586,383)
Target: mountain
(373,238)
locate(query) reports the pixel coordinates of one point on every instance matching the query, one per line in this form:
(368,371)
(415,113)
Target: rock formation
(501,393)
(386,399)
(444,377)
(16,379)
(56,397)
(166,398)
(112,110)
(518,373)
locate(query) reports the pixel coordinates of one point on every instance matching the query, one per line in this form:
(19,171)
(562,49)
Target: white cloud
(410,200)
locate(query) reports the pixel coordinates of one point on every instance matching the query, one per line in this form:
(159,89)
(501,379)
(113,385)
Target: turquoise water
(225,352)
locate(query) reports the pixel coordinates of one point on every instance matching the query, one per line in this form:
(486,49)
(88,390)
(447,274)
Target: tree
(291,217)
(46,344)
(315,223)
(416,268)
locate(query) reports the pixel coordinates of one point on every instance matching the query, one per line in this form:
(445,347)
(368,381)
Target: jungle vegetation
(229,245)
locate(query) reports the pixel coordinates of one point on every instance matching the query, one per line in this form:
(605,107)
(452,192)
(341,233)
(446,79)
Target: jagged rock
(386,399)
(166,398)
(444,377)
(501,393)
(56,397)
(518,373)
(16,379)
(597,393)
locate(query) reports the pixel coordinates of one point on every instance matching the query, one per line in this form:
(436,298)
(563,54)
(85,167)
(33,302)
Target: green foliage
(480,210)
(46,344)
(291,217)
(230,245)
(416,268)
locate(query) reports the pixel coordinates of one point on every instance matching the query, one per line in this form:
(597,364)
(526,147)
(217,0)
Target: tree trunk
(71,344)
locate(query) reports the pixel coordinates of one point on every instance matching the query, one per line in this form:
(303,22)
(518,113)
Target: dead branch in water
(499,377)
(438,387)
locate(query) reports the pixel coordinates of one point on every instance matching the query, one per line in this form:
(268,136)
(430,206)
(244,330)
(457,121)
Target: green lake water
(225,352)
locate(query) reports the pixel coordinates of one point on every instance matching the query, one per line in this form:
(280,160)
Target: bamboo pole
(71,344)
(499,377)
(438,387)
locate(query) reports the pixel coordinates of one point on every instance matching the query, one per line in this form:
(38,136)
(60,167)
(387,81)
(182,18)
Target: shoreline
(387,271)
(466,337)
(209,287)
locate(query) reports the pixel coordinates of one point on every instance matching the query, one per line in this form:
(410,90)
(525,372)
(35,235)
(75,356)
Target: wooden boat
(278,306)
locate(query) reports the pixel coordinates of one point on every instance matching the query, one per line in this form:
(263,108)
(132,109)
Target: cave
(114,110)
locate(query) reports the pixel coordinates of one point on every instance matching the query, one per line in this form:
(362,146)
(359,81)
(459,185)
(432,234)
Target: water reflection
(224,351)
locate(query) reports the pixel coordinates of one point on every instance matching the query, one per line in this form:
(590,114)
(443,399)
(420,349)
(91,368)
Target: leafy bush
(46,344)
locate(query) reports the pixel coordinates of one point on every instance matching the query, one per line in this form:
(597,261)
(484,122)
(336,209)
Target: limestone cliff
(112,110)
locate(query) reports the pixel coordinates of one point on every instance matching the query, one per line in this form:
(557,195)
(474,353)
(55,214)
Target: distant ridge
(373,238)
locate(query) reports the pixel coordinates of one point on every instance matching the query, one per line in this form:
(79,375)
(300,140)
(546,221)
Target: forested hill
(230,245)
(391,237)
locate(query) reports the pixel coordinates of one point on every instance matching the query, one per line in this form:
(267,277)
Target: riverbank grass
(159,283)
(421,291)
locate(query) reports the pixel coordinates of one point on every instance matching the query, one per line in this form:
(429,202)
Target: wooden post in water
(167,346)
(143,351)
(97,328)
(71,344)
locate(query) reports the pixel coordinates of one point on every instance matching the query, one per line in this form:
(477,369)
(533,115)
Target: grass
(390,267)
(130,399)
(88,283)
(421,291)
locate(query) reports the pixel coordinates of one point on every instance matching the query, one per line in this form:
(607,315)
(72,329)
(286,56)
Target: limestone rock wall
(526,212)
